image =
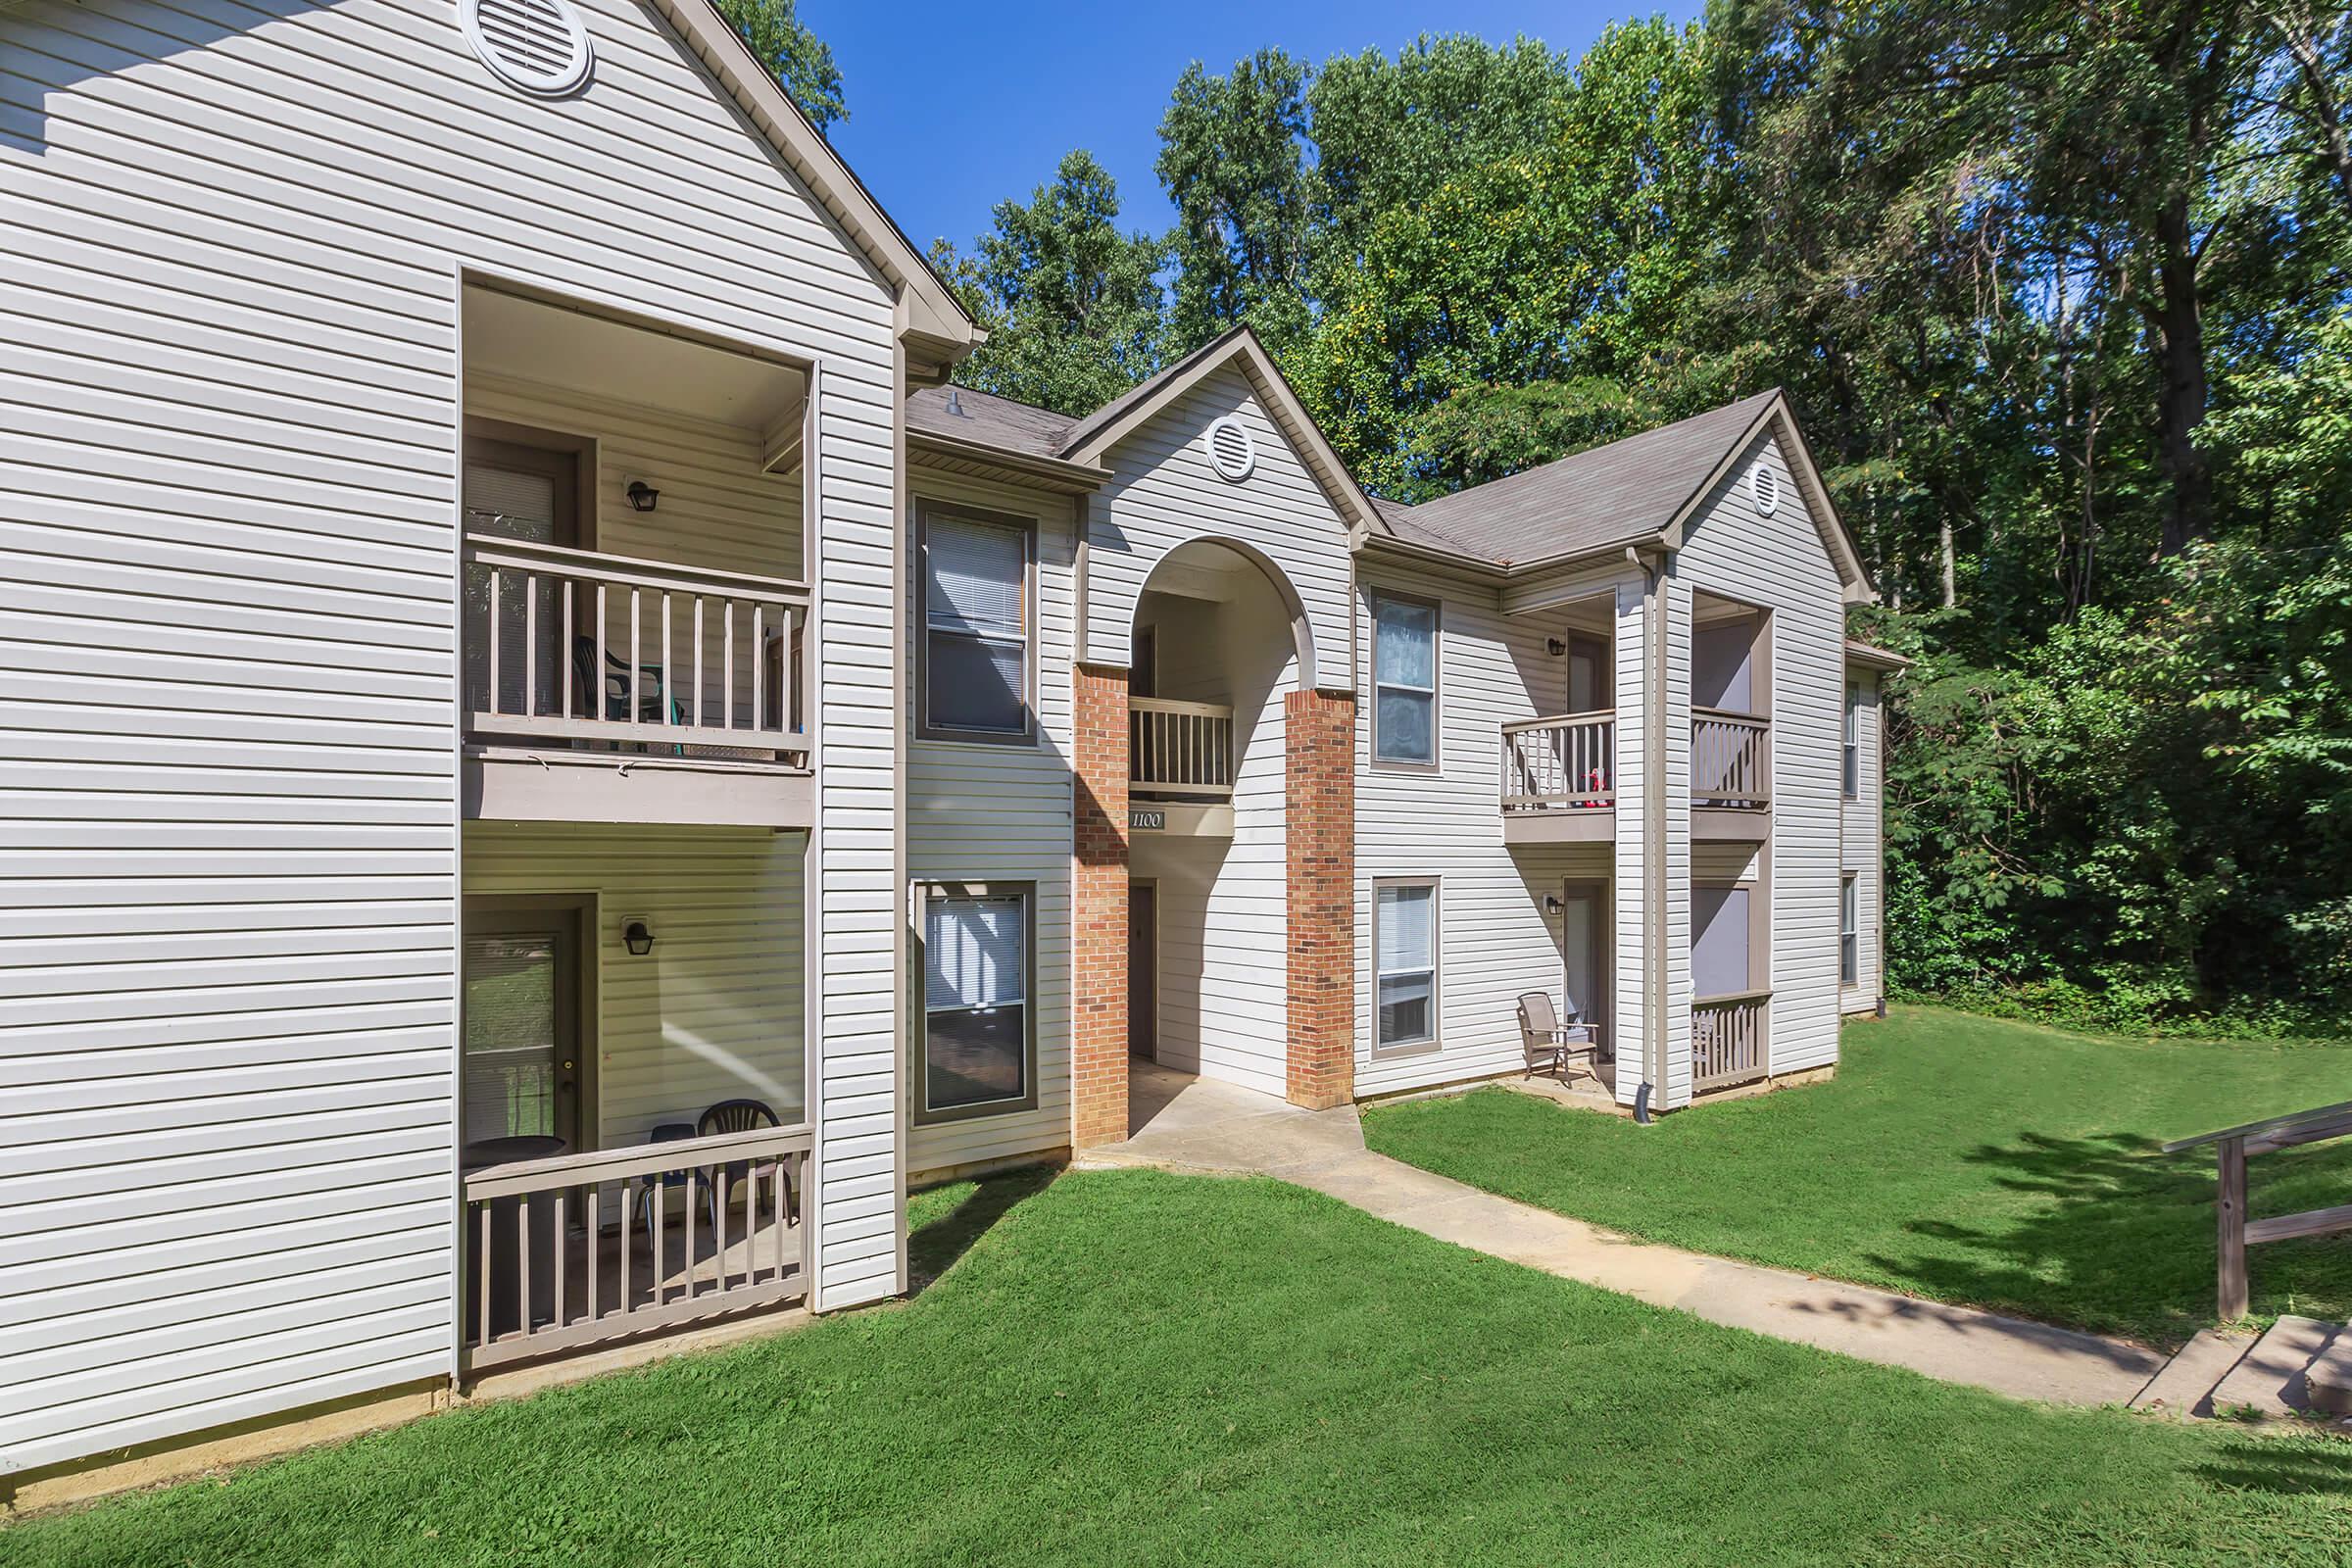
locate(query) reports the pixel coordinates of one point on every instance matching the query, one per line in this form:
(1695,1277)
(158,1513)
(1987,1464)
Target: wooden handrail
(1560,762)
(1559,720)
(1180,748)
(1165,705)
(641,1159)
(1754,720)
(2233,1233)
(631,572)
(1729,997)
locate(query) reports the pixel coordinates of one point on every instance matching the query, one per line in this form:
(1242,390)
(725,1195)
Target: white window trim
(1436,963)
(924,1114)
(1851,780)
(1435,688)
(1849,931)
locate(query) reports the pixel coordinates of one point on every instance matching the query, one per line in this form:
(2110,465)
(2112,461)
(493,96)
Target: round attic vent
(540,46)
(1232,449)
(1766,487)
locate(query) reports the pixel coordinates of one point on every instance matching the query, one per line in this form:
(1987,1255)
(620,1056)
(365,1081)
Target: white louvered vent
(1232,449)
(1766,487)
(540,46)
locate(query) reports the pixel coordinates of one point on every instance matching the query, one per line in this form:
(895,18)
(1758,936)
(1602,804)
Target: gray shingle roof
(1628,490)
(989,421)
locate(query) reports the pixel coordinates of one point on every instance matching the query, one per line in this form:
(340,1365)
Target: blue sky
(952,108)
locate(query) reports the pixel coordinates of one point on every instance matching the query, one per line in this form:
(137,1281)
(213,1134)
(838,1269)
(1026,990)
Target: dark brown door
(525,1065)
(1143,677)
(1142,971)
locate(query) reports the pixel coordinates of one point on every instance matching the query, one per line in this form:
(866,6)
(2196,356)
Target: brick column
(1098,908)
(1319,749)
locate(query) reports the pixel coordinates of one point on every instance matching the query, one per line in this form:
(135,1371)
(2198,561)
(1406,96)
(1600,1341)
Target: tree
(802,62)
(1071,305)
(1232,160)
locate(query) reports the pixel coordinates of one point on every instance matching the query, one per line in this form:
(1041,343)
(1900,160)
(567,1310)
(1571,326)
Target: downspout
(1653,832)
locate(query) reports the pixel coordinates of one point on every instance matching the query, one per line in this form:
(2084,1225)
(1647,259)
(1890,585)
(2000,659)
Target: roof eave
(1063,472)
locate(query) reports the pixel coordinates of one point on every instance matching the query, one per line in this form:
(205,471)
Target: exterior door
(1591,686)
(1142,971)
(531,495)
(1585,961)
(524,1064)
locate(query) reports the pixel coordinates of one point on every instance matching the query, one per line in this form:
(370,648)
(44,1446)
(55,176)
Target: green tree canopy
(802,62)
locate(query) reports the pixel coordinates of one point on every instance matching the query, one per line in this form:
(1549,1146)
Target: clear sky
(952,108)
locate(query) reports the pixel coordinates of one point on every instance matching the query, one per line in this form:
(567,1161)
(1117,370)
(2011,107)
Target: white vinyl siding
(1496,936)
(1002,814)
(1781,564)
(1166,492)
(1864,847)
(227,778)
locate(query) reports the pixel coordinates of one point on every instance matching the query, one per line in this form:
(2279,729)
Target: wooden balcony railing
(1559,764)
(1728,1039)
(1179,749)
(579,1248)
(1730,760)
(569,646)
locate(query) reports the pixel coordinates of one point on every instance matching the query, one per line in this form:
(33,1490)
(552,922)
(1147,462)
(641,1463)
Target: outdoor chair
(654,699)
(1550,1043)
(718,1181)
(653,1190)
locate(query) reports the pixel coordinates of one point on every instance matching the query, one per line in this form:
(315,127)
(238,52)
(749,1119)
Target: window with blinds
(1850,932)
(978,1053)
(1405,681)
(1405,958)
(976,626)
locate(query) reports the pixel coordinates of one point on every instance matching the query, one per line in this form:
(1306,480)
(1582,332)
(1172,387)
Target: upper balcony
(1559,779)
(632,626)
(1180,767)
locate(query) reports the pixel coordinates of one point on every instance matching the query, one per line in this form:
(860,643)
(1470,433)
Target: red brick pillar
(1320,764)
(1098,908)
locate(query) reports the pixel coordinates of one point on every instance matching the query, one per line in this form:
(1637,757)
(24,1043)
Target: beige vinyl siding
(227,759)
(713,1012)
(1495,939)
(1167,492)
(1780,562)
(1863,848)
(989,812)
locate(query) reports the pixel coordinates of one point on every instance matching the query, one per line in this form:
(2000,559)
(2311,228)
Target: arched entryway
(1214,920)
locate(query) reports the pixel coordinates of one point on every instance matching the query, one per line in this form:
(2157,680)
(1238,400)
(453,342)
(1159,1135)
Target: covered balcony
(1180,765)
(1559,779)
(1731,733)
(632,618)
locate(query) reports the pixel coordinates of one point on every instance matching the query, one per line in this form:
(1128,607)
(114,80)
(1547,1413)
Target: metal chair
(718,1181)
(1549,1042)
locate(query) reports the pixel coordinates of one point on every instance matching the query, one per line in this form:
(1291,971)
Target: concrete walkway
(1185,1124)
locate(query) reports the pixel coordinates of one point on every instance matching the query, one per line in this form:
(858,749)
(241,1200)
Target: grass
(1968,1159)
(1133,1367)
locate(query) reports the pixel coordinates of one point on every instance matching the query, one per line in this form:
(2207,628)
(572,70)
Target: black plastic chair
(653,1190)
(718,1181)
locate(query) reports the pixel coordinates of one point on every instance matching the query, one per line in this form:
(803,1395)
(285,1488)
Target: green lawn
(1140,1368)
(1969,1160)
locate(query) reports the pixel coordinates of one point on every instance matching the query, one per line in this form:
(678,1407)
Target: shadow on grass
(933,1246)
(2122,1237)
(2262,1464)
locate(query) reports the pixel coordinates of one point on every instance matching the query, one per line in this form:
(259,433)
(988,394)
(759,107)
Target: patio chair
(1551,1042)
(653,1190)
(653,688)
(718,1181)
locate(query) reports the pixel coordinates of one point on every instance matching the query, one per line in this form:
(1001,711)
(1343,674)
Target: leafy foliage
(1071,305)
(802,64)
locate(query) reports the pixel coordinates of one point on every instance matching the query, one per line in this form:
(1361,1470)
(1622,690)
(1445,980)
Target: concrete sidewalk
(1194,1124)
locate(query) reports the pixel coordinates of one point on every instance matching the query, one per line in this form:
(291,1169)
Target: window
(979,1048)
(1404,953)
(1850,932)
(1853,746)
(976,626)
(1405,681)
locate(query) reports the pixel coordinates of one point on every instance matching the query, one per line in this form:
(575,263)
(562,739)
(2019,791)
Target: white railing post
(1560,763)
(1180,748)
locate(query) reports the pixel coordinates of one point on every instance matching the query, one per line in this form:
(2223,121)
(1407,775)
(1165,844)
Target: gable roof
(1639,490)
(930,315)
(1095,435)
(983,418)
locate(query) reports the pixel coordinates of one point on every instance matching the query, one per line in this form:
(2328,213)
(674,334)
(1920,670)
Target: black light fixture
(1555,647)
(643,497)
(1552,904)
(638,937)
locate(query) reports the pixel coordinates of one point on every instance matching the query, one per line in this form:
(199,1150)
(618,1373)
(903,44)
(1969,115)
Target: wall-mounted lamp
(643,497)
(1552,904)
(637,935)
(1557,647)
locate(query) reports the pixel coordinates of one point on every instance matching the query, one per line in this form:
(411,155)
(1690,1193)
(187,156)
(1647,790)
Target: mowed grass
(1133,1367)
(1968,1159)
